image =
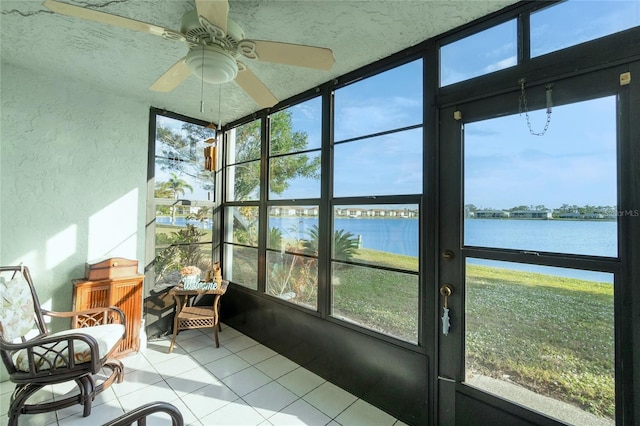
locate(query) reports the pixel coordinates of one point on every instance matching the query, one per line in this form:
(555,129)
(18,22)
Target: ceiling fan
(215,44)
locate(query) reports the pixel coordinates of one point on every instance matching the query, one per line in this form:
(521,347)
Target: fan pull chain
(219,106)
(202,84)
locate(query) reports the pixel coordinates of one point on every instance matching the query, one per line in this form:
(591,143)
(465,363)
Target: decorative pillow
(16,310)
(57,354)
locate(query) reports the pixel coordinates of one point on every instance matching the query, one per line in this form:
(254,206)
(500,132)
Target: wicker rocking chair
(34,358)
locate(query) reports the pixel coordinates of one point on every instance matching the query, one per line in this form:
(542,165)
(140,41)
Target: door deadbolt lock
(448,254)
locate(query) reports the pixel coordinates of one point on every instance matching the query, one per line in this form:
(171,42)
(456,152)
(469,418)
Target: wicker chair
(140,414)
(34,358)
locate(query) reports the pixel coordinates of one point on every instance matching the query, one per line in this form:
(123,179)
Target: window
(389,100)
(241,245)
(294,151)
(545,329)
(568,180)
(375,254)
(183,198)
(482,53)
(382,165)
(294,179)
(241,227)
(292,254)
(374,244)
(572,22)
(243,162)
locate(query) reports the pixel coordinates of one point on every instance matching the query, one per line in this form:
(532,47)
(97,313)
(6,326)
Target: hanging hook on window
(522,102)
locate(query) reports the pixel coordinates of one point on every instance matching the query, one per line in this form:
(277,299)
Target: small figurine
(217,273)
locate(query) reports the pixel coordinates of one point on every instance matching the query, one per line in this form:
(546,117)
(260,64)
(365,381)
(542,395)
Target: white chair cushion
(107,336)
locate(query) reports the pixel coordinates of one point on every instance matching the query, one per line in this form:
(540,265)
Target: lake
(597,238)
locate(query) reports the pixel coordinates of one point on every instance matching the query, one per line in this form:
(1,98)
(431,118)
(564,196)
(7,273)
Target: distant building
(570,215)
(531,214)
(491,214)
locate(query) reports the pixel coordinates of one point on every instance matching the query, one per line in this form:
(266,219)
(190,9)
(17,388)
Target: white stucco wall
(73,161)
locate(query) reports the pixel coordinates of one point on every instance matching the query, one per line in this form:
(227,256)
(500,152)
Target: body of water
(181,221)
(400,236)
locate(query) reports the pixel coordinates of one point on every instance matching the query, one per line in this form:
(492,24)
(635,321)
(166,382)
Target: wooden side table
(192,317)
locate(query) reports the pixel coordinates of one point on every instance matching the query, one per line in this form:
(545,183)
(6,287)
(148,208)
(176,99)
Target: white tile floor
(240,383)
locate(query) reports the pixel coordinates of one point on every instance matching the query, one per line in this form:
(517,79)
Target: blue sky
(573,163)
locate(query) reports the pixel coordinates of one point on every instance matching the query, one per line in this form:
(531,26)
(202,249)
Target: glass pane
(293,278)
(294,176)
(243,182)
(556,193)
(539,333)
(482,53)
(172,256)
(179,160)
(295,129)
(183,196)
(384,165)
(574,22)
(387,101)
(241,225)
(243,143)
(294,229)
(383,235)
(383,301)
(181,141)
(241,265)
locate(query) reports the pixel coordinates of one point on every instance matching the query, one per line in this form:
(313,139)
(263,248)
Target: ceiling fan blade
(214,11)
(172,77)
(107,18)
(294,54)
(255,88)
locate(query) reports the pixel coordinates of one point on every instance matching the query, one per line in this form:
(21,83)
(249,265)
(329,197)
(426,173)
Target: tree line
(564,208)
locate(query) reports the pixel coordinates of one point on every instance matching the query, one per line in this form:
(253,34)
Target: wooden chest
(107,269)
(124,293)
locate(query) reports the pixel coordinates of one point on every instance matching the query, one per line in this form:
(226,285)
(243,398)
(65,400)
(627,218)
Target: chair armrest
(62,348)
(146,410)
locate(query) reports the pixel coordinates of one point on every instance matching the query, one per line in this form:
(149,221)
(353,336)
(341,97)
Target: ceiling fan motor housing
(212,64)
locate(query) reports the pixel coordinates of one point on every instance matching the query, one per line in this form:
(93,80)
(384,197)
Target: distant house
(570,215)
(491,214)
(593,215)
(531,214)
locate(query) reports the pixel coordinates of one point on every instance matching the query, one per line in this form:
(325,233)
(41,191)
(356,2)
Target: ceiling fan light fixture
(212,64)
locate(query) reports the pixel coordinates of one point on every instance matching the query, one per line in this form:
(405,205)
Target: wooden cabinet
(124,293)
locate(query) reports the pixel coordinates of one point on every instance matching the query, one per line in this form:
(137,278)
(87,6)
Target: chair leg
(215,333)
(173,339)
(86,387)
(18,400)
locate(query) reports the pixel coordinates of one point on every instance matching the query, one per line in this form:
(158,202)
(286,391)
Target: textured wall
(73,178)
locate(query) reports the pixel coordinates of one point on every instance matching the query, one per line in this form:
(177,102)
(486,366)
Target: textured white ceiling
(128,62)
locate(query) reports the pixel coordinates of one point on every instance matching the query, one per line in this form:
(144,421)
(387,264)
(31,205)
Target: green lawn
(550,334)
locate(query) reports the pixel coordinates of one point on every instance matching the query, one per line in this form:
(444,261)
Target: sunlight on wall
(27,259)
(61,246)
(113,230)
